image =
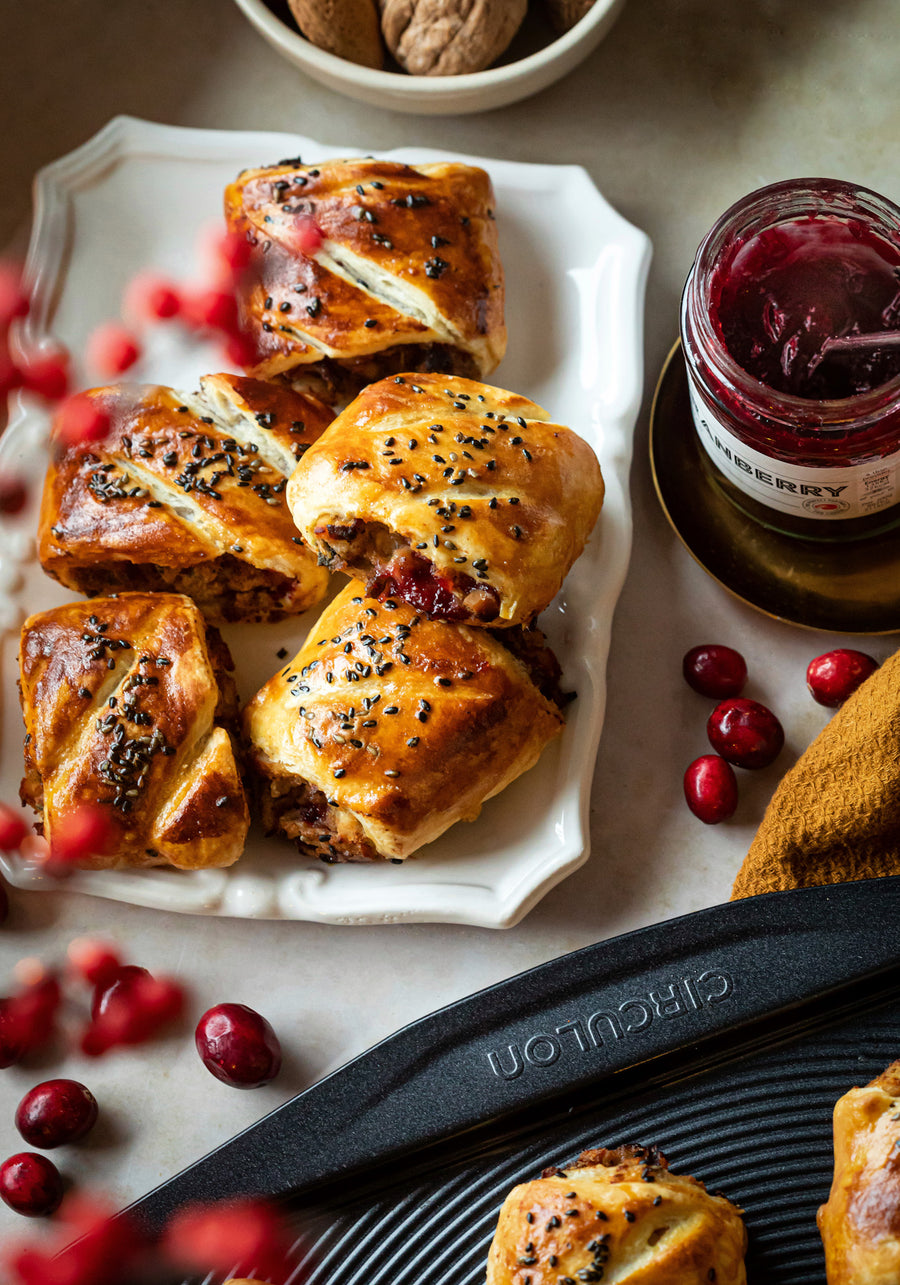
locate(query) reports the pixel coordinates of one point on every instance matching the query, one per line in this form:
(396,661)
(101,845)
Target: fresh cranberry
(112,348)
(48,375)
(241,351)
(12,1043)
(240,1235)
(710,789)
(12,828)
(745,733)
(130,1008)
(115,988)
(213,310)
(238,1046)
(80,420)
(714,670)
(308,236)
(836,675)
(152,297)
(30,1184)
(77,836)
(94,960)
(56,1112)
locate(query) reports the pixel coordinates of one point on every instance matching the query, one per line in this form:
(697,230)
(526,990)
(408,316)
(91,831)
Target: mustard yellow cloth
(836,814)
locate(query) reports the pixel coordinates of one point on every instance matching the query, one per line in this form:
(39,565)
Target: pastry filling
(301,813)
(371,549)
(344,377)
(224,588)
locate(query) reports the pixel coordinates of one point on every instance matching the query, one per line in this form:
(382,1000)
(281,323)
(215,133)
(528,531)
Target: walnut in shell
(449,37)
(347,28)
(565,13)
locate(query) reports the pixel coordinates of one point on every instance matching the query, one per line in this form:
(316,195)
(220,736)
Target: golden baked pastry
(187,493)
(361,268)
(126,703)
(617,1215)
(465,500)
(387,727)
(860,1222)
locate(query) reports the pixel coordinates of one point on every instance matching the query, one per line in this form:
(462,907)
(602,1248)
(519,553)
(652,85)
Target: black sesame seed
(629,1216)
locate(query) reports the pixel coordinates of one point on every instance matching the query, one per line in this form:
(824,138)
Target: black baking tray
(723,1037)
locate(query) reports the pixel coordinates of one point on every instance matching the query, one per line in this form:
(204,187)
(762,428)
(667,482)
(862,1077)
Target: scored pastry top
(352,258)
(183,479)
(123,708)
(403,723)
(467,500)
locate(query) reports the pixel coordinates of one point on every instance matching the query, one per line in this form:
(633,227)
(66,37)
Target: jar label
(851,491)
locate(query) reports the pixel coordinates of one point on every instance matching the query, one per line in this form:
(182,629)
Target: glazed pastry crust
(477,481)
(860,1222)
(408,260)
(617,1215)
(187,499)
(434,720)
(123,709)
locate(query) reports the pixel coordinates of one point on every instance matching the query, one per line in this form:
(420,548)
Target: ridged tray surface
(757,1128)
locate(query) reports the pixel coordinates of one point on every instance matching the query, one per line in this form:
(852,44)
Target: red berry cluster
(209,310)
(742,732)
(91,1247)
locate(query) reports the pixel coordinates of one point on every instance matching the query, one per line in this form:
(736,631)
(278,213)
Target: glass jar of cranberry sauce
(805,442)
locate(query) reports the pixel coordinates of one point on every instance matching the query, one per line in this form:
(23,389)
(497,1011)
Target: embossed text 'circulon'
(620,1020)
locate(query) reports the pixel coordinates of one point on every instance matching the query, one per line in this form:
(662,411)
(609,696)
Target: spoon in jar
(847,344)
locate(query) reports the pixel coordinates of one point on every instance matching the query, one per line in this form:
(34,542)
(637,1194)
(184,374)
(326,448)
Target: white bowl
(438,95)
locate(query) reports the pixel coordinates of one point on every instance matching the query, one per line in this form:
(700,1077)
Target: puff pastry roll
(617,1215)
(187,493)
(860,1222)
(386,728)
(126,702)
(465,500)
(361,268)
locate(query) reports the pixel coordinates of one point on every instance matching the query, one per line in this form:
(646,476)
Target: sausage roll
(618,1215)
(386,728)
(465,500)
(360,268)
(126,703)
(860,1223)
(187,493)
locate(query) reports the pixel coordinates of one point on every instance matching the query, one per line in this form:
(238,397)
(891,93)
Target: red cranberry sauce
(415,581)
(785,290)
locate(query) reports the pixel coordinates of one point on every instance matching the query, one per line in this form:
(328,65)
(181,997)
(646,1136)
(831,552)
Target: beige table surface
(684,107)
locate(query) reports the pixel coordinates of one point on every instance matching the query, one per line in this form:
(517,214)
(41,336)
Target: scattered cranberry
(234,1236)
(95,961)
(307,236)
(87,1246)
(745,733)
(13,495)
(56,1112)
(12,829)
(238,1046)
(77,836)
(710,788)
(47,376)
(714,670)
(836,675)
(30,1184)
(213,310)
(80,420)
(152,298)
(229,254)
(240,350)
(131,1009)
(12,1045)
(112,348)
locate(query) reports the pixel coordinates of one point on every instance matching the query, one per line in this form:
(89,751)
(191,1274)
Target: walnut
(449,37)
(347,28)
(565,13)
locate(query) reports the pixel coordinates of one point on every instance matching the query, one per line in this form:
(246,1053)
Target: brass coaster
(849,587)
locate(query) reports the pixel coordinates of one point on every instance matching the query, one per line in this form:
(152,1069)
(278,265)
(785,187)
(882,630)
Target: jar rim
(766,207)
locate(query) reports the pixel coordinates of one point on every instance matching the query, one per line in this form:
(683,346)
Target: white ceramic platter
(140,195)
